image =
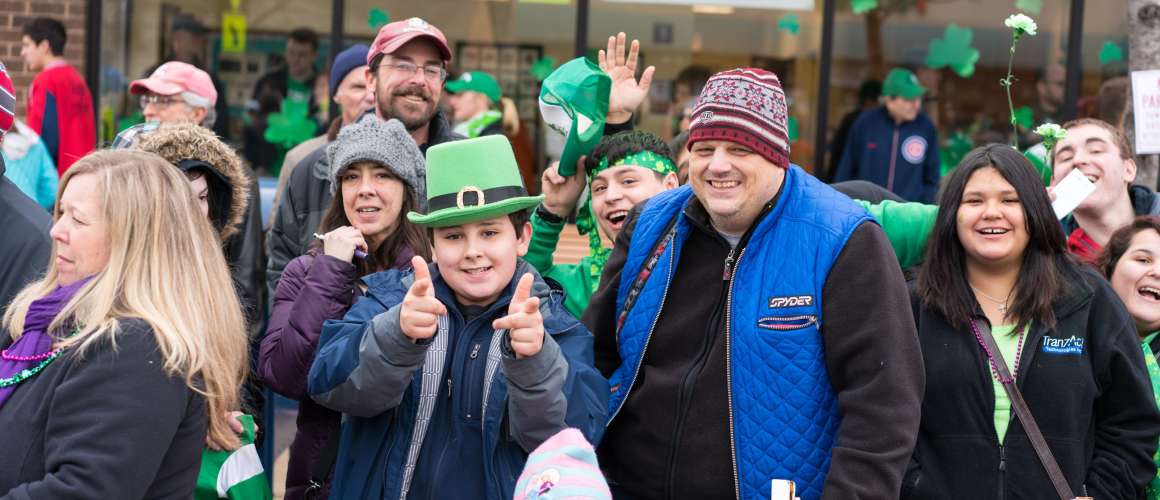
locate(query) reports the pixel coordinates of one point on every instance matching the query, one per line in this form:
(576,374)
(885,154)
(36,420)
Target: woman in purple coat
(377,176)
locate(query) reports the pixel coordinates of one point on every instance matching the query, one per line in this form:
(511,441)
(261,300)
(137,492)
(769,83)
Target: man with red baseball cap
(177,92)
(406,68)
(26,247)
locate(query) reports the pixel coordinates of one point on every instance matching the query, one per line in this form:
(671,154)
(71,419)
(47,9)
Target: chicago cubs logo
(914,149)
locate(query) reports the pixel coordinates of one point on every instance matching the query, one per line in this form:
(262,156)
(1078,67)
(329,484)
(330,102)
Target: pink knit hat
(746,106)
(562,468)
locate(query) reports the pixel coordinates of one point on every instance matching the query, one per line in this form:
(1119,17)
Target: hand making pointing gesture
(524,324)
(419,315)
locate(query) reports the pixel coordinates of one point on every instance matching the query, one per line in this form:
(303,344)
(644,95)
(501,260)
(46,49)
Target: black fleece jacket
(1085,383)
(110,424)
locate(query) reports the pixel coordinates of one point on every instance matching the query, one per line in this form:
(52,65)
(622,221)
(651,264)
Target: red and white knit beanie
(746,106)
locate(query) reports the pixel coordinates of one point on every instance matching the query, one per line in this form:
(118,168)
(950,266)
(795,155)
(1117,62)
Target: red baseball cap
(7,101)
(396,34)
(175,77)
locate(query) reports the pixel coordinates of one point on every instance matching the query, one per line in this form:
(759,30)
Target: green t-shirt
(1009,344)
(299,91)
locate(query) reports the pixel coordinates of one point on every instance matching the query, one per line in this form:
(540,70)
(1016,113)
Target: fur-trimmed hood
(188,141)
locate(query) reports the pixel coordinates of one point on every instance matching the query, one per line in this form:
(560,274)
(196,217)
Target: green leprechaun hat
(574,102)
(472,180)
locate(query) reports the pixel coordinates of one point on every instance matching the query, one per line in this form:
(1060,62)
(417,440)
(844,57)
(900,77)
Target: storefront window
(1105,87)
(967,107)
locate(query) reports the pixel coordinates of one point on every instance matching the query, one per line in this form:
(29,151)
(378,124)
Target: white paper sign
(1070,192)
(1146,107)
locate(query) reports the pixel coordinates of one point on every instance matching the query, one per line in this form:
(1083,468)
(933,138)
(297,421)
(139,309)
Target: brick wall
(13,15)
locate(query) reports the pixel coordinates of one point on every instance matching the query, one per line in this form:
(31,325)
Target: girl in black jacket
(1131,262)
(997,258)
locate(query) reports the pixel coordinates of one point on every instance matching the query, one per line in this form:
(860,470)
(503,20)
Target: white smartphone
(1070,192)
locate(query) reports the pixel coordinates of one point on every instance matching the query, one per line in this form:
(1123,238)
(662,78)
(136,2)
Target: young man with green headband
(624,169)
(464,367)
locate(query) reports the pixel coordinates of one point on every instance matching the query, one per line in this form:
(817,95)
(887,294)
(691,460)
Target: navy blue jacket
(902,158)
(395,394)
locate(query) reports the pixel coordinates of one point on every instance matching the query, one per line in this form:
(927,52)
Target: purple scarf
(35,342)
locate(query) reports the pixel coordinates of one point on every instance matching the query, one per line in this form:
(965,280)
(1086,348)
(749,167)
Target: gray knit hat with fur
(386,143)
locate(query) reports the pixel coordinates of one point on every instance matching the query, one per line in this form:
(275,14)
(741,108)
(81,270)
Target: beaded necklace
(44,358)
(991,356)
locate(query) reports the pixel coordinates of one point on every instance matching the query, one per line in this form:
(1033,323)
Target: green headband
(646,159)
(586,221)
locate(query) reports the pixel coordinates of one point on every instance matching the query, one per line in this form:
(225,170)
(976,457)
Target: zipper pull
(448,387)
(1002,458)
(728,274)
(474,351)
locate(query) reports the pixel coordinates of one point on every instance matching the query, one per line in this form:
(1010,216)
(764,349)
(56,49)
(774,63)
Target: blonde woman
(114,363)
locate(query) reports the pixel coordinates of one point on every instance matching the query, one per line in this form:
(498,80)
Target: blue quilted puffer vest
(784,413)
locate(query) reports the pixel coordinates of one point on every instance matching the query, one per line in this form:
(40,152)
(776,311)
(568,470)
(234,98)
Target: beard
(413,115)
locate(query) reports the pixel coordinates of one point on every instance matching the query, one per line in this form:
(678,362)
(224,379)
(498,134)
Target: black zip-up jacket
(1085,383)
(26,247)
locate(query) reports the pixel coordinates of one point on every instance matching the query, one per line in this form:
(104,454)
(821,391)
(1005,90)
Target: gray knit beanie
(386,143)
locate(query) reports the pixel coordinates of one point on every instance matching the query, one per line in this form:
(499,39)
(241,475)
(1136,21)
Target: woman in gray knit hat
(377,174)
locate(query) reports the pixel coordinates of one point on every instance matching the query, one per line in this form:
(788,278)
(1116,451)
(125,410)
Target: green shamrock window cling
(1111,53)
(542,68)
(790,23)
(863,6)
(377,18)
(1032,6)
(1024,117)
(291,126)
(954,51)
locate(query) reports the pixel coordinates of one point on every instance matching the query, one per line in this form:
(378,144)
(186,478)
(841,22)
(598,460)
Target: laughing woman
(997,259)
(1131,261)
(113,364)
(377,173)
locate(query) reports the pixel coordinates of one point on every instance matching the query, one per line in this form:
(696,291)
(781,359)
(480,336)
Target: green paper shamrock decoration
(794,129)
(292,126)
(954,51)
(377,18)
(1024,117)
(789,23)
(954,149)
(542,68)
(863,6)
(1032,6)
(1111,53)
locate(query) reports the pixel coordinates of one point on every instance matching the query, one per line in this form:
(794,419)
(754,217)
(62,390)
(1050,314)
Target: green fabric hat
(902,83)
(472,180)
(574,102)
(476,81)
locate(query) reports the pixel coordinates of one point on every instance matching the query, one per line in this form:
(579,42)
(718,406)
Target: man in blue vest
(895,145)
(754,324)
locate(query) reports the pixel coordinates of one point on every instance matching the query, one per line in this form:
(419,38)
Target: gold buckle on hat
(469,189)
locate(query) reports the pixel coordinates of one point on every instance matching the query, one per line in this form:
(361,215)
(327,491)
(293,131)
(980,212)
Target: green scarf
(1152,490)
(586,220)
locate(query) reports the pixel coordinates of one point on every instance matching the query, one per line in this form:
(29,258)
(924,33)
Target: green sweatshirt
(579,284)
(907,226)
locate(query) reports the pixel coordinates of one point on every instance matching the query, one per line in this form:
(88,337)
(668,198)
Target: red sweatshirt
(60,109)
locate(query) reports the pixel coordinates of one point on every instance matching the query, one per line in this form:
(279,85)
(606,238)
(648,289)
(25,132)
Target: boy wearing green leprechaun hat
(462,368)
